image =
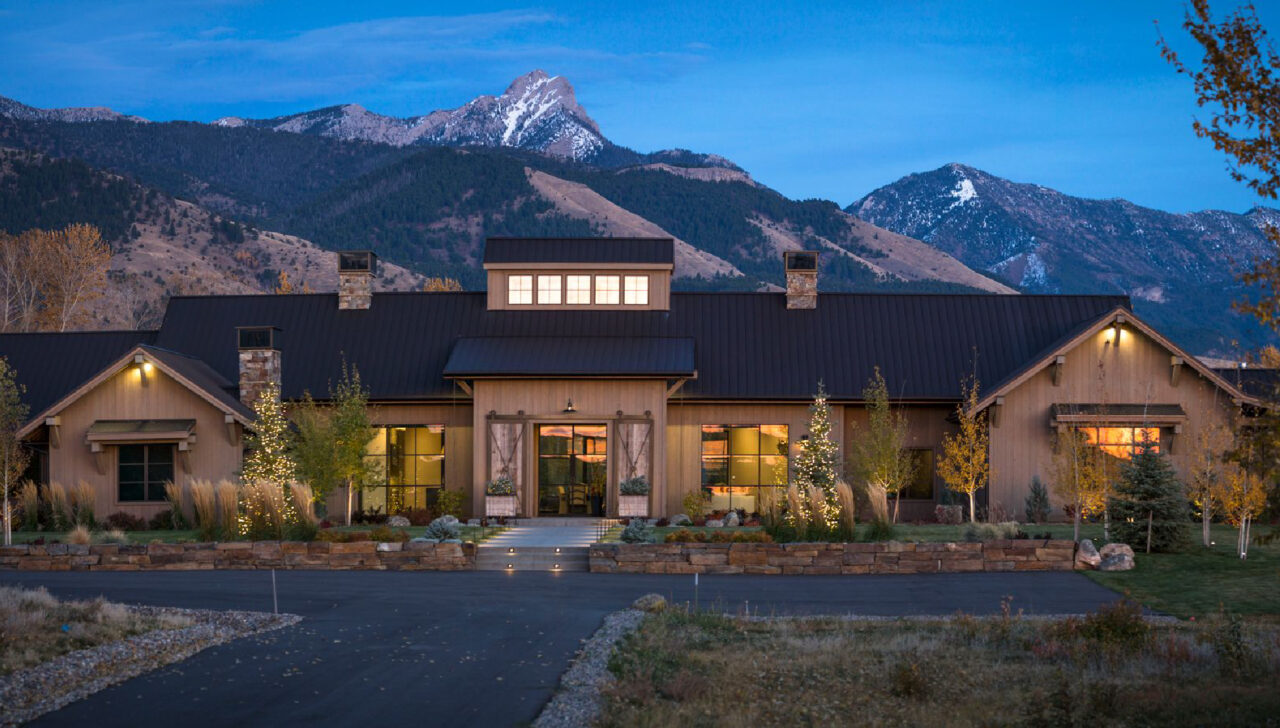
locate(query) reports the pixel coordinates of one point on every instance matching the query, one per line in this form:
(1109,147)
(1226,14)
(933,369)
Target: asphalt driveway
(458,649)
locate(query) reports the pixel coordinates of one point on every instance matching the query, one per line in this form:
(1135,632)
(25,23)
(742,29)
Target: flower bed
(370,555)
(891,557)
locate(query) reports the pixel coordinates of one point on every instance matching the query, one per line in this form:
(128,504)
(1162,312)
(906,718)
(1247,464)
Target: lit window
(548,290)
(1122,442)
(408,465)
(607,289)
(738,459)
(636,291)
(578,290)
(519,290)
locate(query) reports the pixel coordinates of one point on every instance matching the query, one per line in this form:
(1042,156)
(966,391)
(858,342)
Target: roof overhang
(123,431)
(1120,316)
(1119,414)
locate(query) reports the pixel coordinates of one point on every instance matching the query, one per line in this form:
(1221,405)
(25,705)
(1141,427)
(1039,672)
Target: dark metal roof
(51,365)
(1255,382)
(647,251)
(546,356)
(748,345)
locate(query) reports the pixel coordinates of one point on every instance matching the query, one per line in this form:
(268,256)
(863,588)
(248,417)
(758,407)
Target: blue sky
(814,99)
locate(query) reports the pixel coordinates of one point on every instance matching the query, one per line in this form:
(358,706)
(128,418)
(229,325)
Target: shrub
(372,515)
(684,535)
(449,502)
(949,514)
(80,536)
(29,497)
(879,530)
(1118,624)
(180,512)
(1149,487)
(419,516)
(975,532)
(342,536)
(114,536)
(1037,504)
(500,485)
(384,534)
(162,521)
(908,681)
(125,522)
(696,503)
(444,527)
(638,531)
(636,485)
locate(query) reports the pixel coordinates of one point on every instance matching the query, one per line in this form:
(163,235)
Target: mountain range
(425,191)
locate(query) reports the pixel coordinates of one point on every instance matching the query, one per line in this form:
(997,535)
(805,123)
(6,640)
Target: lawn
(684,668)
(35,627)
(469,533)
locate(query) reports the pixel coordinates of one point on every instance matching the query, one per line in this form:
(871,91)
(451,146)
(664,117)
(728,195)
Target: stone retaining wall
(892,557)
(241,555)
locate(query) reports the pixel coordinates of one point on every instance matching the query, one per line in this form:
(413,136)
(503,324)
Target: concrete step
(531,558)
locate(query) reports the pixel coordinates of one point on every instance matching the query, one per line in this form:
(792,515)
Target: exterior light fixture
(144,367)
(511,550)
(569,408)
(510,566)
(557,549)
(555,566)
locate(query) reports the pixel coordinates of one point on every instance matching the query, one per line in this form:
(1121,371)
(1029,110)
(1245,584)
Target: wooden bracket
(995,411)
(100,457)
(55,430)
(1176,362)
(1055,371)
(233,429)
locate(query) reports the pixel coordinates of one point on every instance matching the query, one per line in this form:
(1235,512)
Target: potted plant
(500,497)
(633,497)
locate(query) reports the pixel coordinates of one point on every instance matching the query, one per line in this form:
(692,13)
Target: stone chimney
(356,269)
(259,360)
(802,278)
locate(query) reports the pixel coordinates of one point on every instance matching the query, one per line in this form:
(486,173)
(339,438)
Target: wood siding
(1138,371)
(123,397)
(926,426)
(543,402)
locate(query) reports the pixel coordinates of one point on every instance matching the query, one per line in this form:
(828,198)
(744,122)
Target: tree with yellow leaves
(285,286)
(1210,452)
(1080,475)
(965,466)
(1243,495)
(434,285)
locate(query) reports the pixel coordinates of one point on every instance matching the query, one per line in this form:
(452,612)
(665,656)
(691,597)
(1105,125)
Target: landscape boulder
(731,520)
(715,523)
(1116,557)
(398,522)
(1087,556)
(680,519)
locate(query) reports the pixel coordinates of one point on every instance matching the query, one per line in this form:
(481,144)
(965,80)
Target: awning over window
(564,356)
(1119,414)
(109,431)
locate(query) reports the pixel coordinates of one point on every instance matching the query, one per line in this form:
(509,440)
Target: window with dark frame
(920,486)
(738,459)
(410,462)
(142,471)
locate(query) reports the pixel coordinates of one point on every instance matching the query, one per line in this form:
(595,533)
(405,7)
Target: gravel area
(578,702)
(28,694)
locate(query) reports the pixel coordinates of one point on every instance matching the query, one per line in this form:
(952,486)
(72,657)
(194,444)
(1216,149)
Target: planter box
(500,505)
(633,506)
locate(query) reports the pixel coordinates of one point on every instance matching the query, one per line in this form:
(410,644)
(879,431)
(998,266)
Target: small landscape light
(511,550)
(510,566)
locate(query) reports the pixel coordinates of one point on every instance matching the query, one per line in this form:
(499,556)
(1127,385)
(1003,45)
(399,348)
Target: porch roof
(1153,414)
(563,356)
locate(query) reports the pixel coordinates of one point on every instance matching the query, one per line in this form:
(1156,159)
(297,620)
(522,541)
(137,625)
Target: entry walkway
(537,547)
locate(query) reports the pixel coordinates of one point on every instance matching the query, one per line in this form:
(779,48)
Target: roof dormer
(608,274)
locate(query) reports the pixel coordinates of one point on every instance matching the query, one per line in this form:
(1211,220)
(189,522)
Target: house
(579,367)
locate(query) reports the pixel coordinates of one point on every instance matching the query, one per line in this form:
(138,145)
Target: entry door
(572,469)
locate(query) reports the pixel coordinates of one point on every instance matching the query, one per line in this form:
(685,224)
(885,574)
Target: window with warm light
(548,290)
(738,459)
(607,289)
(1122,442)
(577,290)
(635,290)
(409,463)
(519,290)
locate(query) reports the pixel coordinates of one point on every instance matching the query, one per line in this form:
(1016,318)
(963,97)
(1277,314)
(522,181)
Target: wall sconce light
(144,367)
(569,408)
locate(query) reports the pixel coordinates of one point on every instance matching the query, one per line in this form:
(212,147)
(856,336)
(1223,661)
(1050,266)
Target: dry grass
(204,499)
(80,536)
(228,507)
(848,509)
(303,497)
(1113,669)
(29,500)
(178,501)
(60,506)
(36,627)
(83,502)
(264,506)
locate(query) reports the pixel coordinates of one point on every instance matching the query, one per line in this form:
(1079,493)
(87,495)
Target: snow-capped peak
(963,192)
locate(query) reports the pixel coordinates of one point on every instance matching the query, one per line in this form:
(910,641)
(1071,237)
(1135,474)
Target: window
(549,290)
(607,290)
(1122,442)
(142,471)
(738,459)
(921,485)
(579,290)
(636,291)
(519,290)
(409,462)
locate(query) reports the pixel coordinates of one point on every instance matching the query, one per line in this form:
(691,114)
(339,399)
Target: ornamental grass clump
(179,505)
(29,498)
(83,502)
(80,536)
(261,512)
(204,501)
(60,508)
(228,508)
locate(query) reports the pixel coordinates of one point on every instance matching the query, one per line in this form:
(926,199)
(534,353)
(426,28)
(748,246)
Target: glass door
(572,469)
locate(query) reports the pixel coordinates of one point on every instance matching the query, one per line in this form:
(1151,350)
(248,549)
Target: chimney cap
(801,260)
(357,261)
(257,337)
